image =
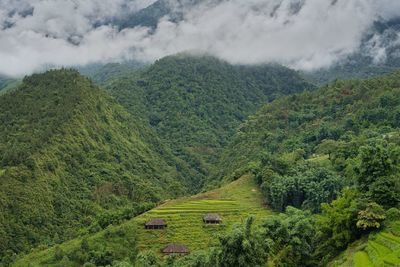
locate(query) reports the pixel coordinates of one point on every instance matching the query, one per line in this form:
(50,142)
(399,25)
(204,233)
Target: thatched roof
(156,222)
(175,248)
(212,217)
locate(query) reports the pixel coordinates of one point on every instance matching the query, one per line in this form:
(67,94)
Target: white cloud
(303,34)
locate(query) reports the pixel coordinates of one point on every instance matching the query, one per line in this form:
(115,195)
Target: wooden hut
(155,223)
(212,218)
(175,248)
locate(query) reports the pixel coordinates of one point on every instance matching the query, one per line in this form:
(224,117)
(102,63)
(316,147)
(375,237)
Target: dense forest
(195,103)
(199,133)
(71,158)
(333,152)
(77,162)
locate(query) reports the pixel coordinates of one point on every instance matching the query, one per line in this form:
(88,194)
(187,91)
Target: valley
(298,174)
(199,133)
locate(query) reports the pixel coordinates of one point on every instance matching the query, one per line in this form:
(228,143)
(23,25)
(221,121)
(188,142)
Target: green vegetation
(234,202)
(327,161)
(381,249)
(195,103)
(70,159)
(306,149)
(73,161)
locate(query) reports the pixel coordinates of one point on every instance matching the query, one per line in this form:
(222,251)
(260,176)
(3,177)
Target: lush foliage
(71,158)
(289,237)
(195,103)
(379,249)
(327,159)
(303,186)
(305,149)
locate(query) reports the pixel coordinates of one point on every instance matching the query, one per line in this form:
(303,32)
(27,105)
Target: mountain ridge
(77,155)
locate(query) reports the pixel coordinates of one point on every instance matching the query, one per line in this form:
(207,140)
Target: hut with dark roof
(212,218)
(175,248)
(155,223)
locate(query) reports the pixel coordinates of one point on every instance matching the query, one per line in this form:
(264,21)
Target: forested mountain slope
(333,152)
(71,158)
(347,112)
(195,103)
(327,160)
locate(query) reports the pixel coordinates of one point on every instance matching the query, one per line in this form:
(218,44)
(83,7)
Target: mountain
(342,110)
(326,161)
(151,15)
(333,152)
(378,54)
(101,73)
(73,158)
(70,158)
(194,103)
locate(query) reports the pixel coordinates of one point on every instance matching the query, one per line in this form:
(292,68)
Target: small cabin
(212,218)
(155,224)
(175,249)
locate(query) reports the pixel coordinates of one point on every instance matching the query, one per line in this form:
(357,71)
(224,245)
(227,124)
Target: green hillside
(326,162)
(195,103)
(71,158)
(381,249)
(347,113)
(333,151)
(234,202)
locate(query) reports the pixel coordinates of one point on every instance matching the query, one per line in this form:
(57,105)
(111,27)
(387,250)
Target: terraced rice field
(234,202)
(382,249)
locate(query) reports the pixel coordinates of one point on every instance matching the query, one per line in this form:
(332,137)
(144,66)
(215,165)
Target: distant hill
(195,103)
(334,152)
(101,73)
(378,54)
(7,83)
(327,160)
(342,111)
(150,16)
(70,158)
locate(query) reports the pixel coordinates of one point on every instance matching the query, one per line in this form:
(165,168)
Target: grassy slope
(381,249)
(235,202)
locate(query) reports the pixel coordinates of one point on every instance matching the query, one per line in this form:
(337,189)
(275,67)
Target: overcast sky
(303,34)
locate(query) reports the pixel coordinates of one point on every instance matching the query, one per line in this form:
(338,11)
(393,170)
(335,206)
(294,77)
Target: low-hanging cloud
(303,34)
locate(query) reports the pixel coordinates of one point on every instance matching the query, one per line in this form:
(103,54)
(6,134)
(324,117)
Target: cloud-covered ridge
(304,34)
